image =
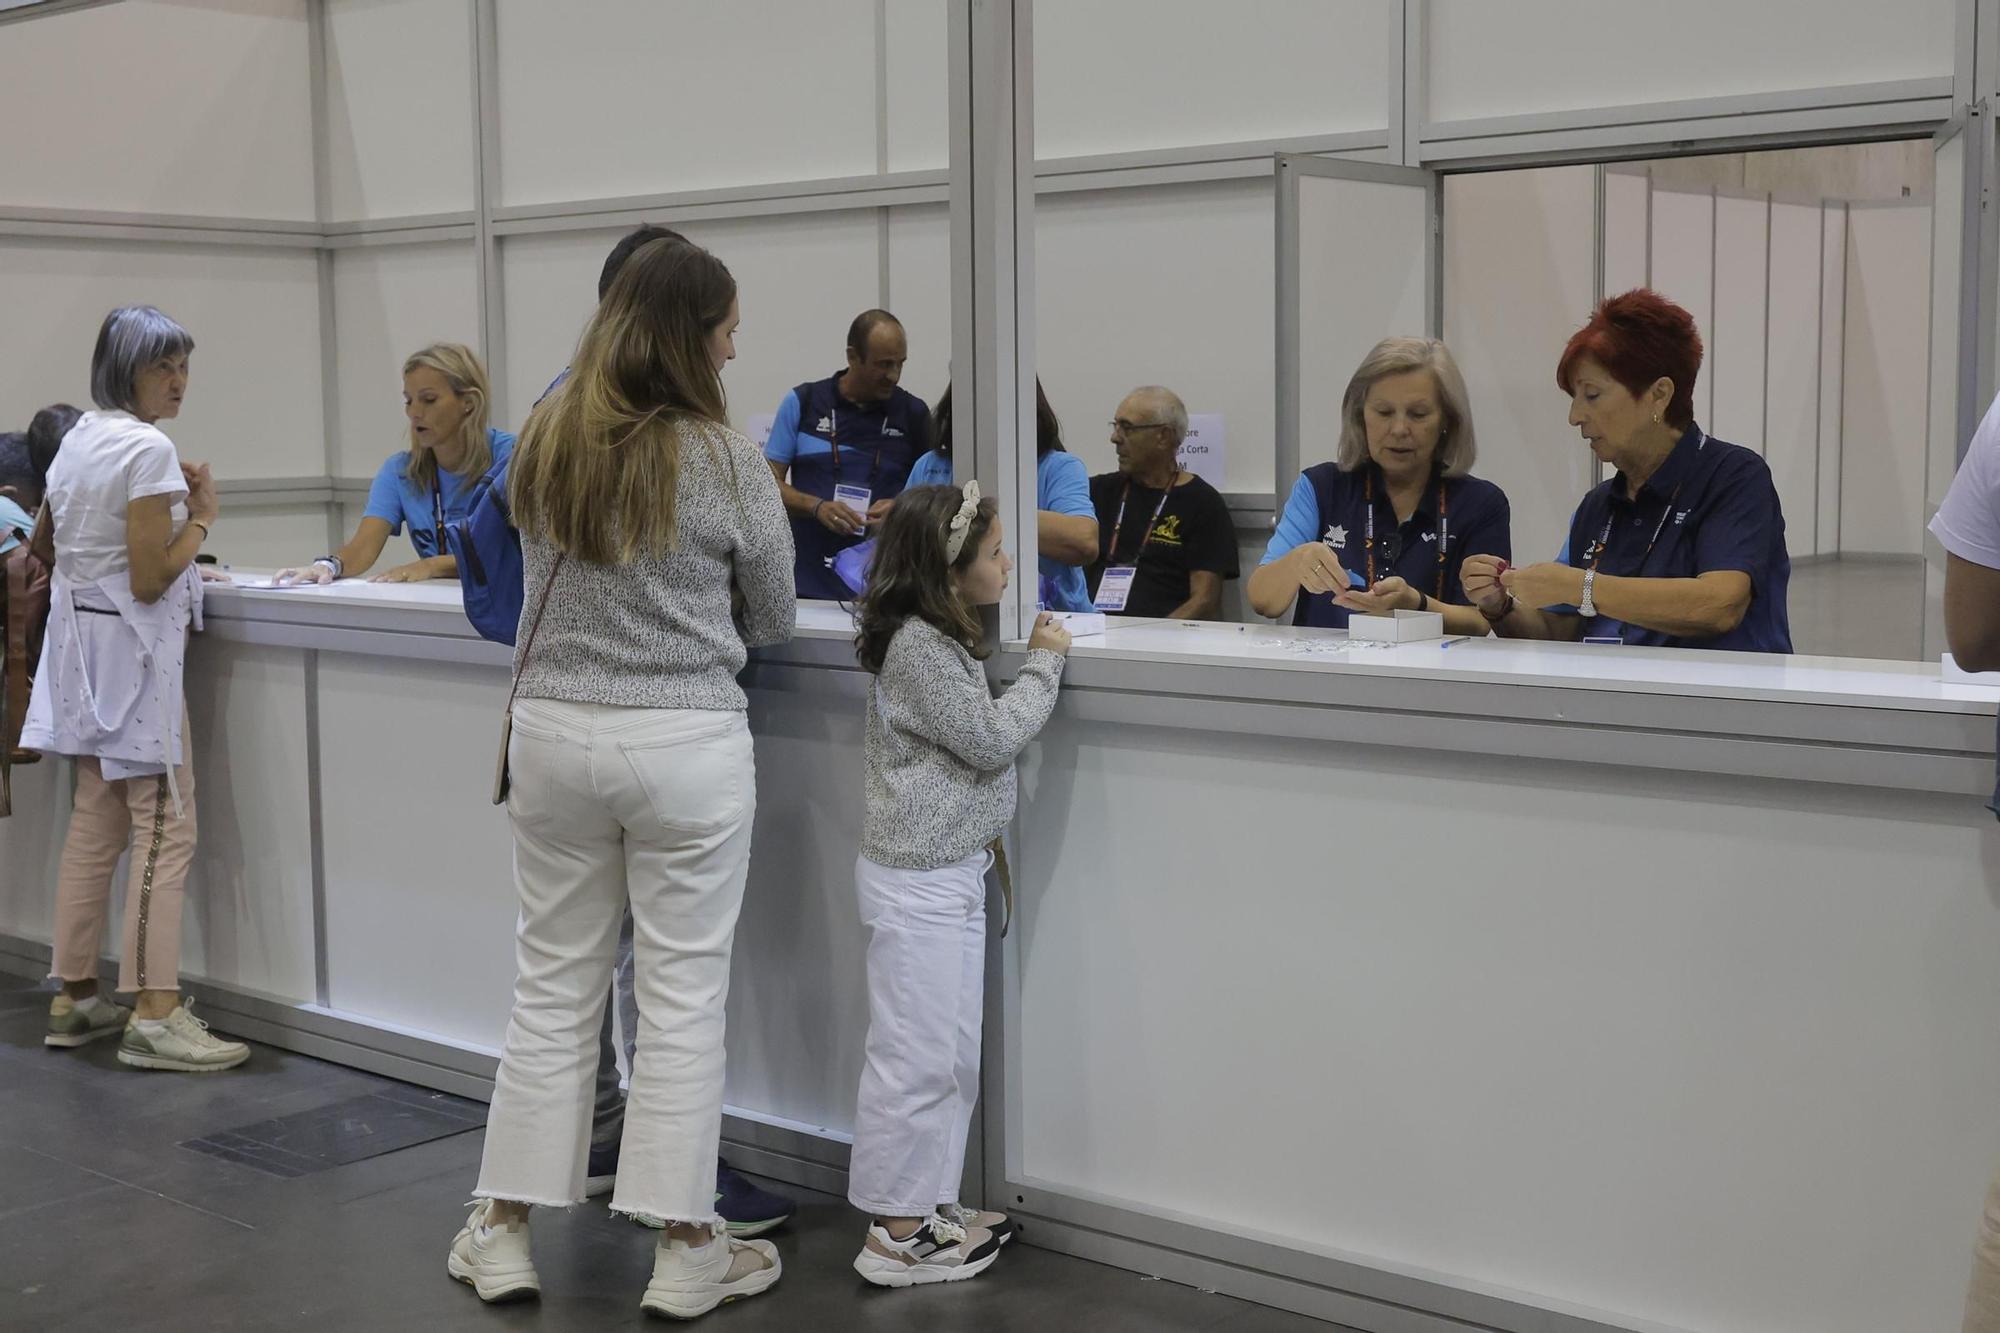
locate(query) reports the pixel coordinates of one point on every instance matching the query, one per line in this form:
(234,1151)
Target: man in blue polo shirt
(842,449)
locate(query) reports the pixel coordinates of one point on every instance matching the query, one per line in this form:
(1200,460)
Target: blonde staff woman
(643,517)
(1387,525)
(426,487)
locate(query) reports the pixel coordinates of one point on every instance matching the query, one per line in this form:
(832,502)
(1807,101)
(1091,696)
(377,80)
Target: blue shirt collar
(1673,473)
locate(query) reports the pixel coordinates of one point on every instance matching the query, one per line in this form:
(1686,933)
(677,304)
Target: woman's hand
(879,511)
(1546,584)
(317,572)
(1391,594)
(417,571)
(1480,577)
(203,505)
(1049,634)
(214,574)
(1317,569)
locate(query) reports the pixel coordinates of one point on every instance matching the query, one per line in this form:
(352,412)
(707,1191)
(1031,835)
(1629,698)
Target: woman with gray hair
(1386,526)
(127,519)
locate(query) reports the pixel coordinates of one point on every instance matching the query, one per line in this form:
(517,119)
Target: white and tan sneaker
(690,1280)
(179,1042)
(80,1022)
(939,1250)
(979,1219)
(493,1261)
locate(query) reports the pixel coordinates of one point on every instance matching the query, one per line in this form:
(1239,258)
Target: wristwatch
(1588,606)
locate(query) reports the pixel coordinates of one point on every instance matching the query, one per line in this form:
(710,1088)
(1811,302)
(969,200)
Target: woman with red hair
(1685,546)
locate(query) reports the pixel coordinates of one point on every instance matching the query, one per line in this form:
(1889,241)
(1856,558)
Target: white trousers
(926,991)
(609,806)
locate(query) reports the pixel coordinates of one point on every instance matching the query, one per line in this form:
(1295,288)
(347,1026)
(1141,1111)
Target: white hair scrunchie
(961,523)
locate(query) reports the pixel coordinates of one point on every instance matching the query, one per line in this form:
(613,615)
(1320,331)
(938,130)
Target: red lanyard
(1443,536)
(1118,524)
(833,443)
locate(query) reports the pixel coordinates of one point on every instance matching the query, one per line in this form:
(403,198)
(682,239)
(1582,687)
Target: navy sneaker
(602,1173)
(748,1209)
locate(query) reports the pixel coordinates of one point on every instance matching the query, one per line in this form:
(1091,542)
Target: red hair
(1639,338)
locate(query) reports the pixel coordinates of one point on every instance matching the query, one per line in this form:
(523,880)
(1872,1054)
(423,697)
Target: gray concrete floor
(1859,606)
(106,1222)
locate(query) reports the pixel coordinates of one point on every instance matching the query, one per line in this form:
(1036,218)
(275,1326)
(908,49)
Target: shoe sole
(172,1065)
(919,1275)
(494,1292)
(70,1041)
(675,1304)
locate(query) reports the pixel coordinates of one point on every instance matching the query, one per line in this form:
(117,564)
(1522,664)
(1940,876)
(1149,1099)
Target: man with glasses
(1166,541)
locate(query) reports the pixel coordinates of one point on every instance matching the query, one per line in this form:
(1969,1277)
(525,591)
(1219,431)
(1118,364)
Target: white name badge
(854,497)
(1114,589)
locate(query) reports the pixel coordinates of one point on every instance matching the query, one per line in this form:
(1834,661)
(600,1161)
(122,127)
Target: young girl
(940,755)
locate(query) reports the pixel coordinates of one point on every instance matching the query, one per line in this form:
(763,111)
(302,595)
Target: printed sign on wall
(1203,452)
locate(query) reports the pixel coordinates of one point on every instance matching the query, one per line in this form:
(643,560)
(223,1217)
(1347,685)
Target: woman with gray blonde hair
(126,518)
(428,485)
(1386,525)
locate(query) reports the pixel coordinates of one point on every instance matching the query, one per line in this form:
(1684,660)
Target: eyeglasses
(1127,427)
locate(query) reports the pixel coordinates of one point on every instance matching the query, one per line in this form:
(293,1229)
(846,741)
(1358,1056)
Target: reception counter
(1449,985)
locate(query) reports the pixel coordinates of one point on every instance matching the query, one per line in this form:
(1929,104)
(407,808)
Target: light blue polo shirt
(13,518)
(397,500)
(1062,486)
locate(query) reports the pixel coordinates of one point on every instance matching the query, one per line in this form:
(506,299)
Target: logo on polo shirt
(825,424)
(1336,537)
(891,433)
(1430,536)
(1168,530)
(1680,517)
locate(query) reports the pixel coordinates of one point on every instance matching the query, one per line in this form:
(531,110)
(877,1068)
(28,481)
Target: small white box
(1082,624)
(1397,627)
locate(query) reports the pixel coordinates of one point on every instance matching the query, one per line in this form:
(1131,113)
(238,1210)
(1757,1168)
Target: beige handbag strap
(999,850)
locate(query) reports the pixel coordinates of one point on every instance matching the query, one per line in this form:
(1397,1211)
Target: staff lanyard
(437,514)
(833,442)
(1444,533)
(1118,524)
(1604,537)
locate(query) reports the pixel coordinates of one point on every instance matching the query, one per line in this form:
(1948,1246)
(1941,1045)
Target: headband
(961,523)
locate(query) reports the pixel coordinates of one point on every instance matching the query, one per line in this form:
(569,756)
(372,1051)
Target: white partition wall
(1684,269)
(1886,380)
(160,107)
(1163,286)
(1518,270)
(1832,371)
(399,135)
(1736,335)
(1577,55)
(1119,76)
(1792,421)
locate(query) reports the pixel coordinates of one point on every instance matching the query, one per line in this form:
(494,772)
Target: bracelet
(1506,609)
(332,562)
(1423,602)
(816,508)
(197,523)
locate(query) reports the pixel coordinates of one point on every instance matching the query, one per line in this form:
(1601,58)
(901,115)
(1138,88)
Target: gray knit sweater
(940,748)
(658,633)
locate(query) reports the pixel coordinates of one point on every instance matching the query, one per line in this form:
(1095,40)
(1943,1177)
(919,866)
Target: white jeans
(926,989)
(608,805)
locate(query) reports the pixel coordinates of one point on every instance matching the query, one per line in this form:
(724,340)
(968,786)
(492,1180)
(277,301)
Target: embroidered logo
(1336,537)
(1430,536)
(825,424)
(1680,517)
(891,433)
(1168,530)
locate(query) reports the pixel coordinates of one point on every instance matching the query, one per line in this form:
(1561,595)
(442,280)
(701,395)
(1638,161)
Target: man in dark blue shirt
(842,449)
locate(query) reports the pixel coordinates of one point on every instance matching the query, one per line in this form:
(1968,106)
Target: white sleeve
(153,468)
(1967,524)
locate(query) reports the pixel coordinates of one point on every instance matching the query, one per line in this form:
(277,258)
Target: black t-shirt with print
(1193,532)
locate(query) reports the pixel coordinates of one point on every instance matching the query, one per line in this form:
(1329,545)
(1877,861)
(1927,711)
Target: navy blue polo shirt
(1467,517)
(877,445)
(1713,506)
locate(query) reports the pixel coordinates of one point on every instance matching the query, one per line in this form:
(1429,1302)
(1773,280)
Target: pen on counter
(1449,642)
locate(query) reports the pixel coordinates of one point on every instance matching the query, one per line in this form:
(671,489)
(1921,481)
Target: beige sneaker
(690,1280)
(493,1261)
(79,1022)
(939,1250)
(977,1219)
(179,1042)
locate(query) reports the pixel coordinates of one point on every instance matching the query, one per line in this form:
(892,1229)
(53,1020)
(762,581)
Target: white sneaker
(493,1261)
(180,1042)
(940,1250)
(80,1022)
(976,1219)
(692,1280)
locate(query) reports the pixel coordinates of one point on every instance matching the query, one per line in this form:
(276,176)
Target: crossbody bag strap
(528,645)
